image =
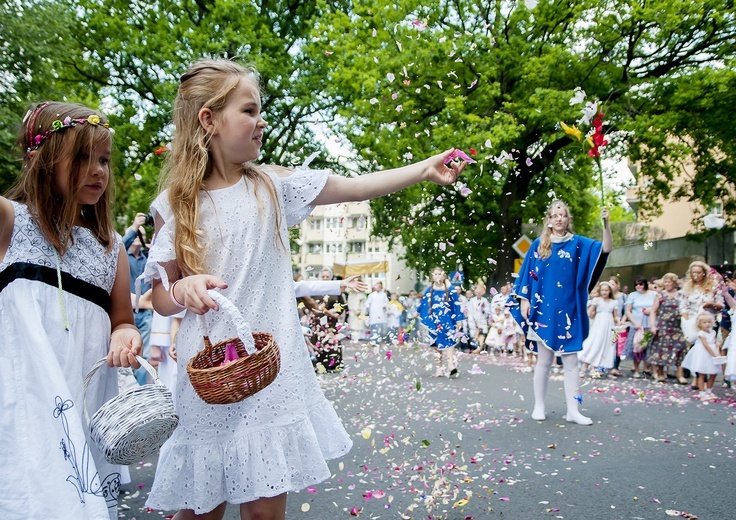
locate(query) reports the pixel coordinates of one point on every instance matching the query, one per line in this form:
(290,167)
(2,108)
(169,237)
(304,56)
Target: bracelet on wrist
(173,296)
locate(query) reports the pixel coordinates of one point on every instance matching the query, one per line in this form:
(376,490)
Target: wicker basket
(258,363)
(135,423)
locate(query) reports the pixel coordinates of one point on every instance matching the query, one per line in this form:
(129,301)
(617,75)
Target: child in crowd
(700,357)
(599,347)
(509,333)
(64,305)
(395,310)
(479,312)
(222,224)
(495,339)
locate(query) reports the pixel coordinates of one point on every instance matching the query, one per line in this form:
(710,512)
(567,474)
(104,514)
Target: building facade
(341,234)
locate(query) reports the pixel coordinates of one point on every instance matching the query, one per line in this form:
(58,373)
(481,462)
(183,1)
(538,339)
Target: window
(374,247)
(356,222)
(333,247)
(717,209)
(333,223)
(356,247)
(315,224)
(314,248)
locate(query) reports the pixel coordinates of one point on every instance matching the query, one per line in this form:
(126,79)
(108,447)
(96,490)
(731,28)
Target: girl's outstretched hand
(191,291)
(355,283)
(125,345)
(440,173)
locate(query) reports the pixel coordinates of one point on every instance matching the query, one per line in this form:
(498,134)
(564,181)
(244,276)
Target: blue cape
(557,290)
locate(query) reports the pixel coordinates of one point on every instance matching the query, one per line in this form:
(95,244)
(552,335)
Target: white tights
(572,386)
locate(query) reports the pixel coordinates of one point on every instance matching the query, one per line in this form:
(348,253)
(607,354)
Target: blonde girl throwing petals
(222,224)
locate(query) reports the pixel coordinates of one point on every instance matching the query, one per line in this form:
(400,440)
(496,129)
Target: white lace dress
(48,467)
(278,439)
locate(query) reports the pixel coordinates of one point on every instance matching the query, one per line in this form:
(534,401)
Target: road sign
(522,245)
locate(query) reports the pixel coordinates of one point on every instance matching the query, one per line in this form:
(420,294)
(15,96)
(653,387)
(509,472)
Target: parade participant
(222,224)
(64,304)
(440,313)
(554,281)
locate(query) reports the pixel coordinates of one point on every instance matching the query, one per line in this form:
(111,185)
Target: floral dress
(668,346)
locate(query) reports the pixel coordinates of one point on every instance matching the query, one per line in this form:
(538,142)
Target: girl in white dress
(599,349)
(64,304)
(700,357)
(222,224)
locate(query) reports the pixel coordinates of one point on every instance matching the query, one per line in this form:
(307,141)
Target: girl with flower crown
(64,304)
(222,224)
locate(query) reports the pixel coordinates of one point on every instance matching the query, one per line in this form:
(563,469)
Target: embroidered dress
(668,346)
(278,439)
(698,359)
(557,288)
(49,468)
(599,348)
(440,312)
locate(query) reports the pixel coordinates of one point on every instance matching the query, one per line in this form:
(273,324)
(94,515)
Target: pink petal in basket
(230,354)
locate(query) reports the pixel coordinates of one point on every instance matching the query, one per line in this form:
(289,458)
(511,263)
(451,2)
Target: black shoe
(454,374)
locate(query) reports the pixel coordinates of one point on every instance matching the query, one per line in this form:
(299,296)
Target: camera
(149,220)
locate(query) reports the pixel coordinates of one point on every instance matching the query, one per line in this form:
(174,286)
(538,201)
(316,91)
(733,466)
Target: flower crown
(57,125)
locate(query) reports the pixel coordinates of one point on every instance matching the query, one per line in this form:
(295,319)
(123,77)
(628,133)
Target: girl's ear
(207,120)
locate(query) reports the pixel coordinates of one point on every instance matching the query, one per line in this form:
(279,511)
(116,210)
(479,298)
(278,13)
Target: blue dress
(557,290)
(440,312)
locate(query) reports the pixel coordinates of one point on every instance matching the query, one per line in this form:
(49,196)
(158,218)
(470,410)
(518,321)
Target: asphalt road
(428,448)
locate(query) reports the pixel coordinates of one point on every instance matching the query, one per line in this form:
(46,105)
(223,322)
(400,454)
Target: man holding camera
(135,242)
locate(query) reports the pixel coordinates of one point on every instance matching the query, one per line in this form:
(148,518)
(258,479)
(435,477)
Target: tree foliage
(415,77)
(400,80)
(130,55)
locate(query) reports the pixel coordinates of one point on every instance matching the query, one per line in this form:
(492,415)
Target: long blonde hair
(707,284)
(55,215)
(545,240)
(205,84)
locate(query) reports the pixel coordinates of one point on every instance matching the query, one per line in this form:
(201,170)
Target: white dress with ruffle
(698,359)
(598,347)
(49,468)
(277,440)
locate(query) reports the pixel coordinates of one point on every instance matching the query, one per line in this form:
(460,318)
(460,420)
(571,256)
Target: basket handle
(244,331)
(145,364)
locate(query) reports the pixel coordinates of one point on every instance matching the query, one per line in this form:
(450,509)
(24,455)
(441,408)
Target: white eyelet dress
(278,439)
(48,466)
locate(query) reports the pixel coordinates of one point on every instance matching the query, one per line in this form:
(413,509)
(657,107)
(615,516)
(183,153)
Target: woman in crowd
(668,346)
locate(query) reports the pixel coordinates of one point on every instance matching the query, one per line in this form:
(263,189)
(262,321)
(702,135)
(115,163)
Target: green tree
(32,37)
(130,54)
(414,77)
(137,54)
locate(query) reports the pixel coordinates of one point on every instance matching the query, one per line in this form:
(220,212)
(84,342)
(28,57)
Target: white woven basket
(134,423)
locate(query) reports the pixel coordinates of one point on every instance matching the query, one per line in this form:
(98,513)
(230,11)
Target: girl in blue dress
(552,288)
(441,313)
